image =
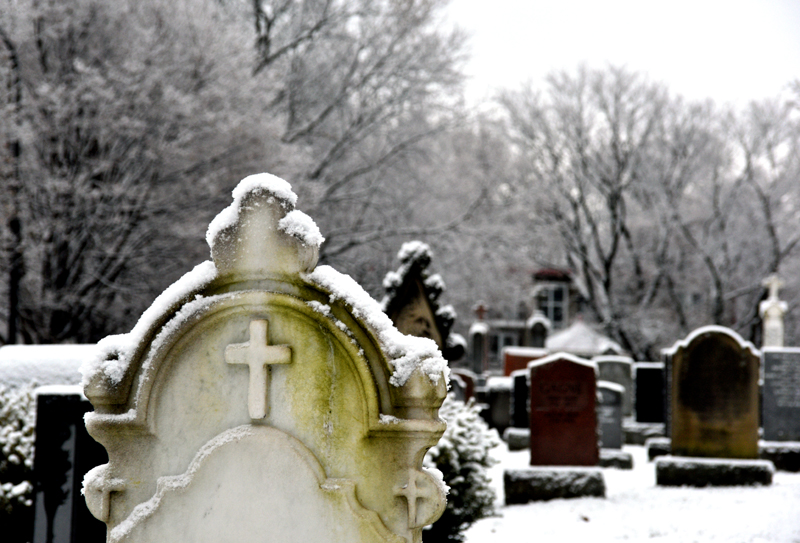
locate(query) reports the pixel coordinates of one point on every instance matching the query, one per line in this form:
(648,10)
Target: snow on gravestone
(714,395)
(563,391)
(262,399)
(618,369)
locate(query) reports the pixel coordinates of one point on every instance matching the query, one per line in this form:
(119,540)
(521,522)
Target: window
(553,301)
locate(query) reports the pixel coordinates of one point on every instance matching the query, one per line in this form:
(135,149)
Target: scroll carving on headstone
(262,393)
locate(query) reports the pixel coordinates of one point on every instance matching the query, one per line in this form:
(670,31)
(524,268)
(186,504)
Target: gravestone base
(658,446)
(784,454)
(615,458)
(700,472)
(517,439)
(550,483)
(637,433)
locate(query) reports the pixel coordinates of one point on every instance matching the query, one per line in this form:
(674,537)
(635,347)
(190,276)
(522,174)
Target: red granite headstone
(517,358)
(563,415)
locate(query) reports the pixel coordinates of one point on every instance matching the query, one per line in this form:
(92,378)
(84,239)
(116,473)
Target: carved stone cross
(773,283)
(258,354)
(412,492)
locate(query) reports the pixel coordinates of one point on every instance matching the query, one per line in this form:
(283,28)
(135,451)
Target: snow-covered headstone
(618,369)
(262,397)
(713,376)
(563,411)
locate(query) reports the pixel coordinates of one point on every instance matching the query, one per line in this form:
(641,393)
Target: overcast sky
(732,51)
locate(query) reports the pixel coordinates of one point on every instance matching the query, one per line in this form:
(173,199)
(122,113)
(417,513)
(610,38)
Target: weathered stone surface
(539,484)
(563,411)
(262,394)
(714,395)
(780,405)
(614,458)
(618,369)
(672,471)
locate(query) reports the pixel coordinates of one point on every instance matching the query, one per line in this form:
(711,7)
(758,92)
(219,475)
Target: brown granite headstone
(563,417)
(714,395)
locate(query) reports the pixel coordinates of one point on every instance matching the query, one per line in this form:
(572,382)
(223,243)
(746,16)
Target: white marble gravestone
(262,398)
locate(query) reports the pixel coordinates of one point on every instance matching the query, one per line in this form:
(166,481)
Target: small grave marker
(618,369)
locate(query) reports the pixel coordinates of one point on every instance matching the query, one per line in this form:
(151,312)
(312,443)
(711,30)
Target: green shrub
(462,455)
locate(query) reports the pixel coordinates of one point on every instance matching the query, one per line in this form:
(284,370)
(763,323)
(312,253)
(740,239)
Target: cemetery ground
(635,509)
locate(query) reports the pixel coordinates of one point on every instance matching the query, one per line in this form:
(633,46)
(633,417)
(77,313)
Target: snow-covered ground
(635,509)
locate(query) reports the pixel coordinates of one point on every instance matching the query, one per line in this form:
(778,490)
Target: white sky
(731,51)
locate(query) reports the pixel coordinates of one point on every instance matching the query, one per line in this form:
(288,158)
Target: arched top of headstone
(705,331)
(556,357)
(261,336)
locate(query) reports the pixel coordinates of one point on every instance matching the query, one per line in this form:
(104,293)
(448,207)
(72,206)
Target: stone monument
(563,403)
(714,395)
(264,398)
(772,311)
(781,394)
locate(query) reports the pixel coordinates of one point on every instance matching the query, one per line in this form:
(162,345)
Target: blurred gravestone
(609,414)
(563,411)
(618,369)
(412,300)
(517,358)
(781,394)
(262,397)
(520,416)
(538,327)
(64,454)
(714,395)
(649,391)
(498,396)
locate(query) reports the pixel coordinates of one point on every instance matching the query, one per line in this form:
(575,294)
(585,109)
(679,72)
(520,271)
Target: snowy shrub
(462,455)
(17,434)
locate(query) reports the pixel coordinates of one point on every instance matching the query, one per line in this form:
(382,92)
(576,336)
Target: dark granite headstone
(714,395)
(649,391)
(563,411)
(64,453)
(609,414)
(520,417)
(618,369)
(781,394)
(498,396)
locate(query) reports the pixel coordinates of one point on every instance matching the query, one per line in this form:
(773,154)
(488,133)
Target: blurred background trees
(125,125)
